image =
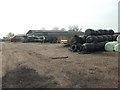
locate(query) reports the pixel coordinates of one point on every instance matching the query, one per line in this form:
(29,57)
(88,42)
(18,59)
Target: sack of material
(118,39)
(117,47)
(110,46)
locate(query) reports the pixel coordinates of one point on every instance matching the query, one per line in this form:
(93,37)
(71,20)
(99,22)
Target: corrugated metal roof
(57,31)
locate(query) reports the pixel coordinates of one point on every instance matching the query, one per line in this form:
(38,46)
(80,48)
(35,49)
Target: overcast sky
(19,16)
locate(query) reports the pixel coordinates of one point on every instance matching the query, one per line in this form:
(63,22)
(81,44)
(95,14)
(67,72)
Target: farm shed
(60,35)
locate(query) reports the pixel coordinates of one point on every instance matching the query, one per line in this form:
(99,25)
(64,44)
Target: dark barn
(60,35)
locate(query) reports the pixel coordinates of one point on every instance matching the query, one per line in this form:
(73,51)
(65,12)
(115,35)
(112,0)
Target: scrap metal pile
(93,40)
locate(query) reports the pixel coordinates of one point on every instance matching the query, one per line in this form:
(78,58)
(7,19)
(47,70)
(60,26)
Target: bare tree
(80,29)
(43,28)
(63,29)
(9,35)
(70,28)
(74,28)
(55,28)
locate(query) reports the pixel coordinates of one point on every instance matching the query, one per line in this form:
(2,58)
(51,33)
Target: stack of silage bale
(113,46)
(93,40)
(117,46)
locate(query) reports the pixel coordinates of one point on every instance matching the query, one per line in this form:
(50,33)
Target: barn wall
(60,35)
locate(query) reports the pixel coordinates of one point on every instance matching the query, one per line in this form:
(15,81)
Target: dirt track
(30,65)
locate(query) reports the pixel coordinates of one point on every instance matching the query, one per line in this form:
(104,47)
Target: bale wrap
(110,46)
(117,47)
(118,39)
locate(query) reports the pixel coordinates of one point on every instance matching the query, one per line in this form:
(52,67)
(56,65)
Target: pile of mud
(23,77)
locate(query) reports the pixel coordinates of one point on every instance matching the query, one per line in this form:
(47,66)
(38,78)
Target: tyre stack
(77,42)
(93,40)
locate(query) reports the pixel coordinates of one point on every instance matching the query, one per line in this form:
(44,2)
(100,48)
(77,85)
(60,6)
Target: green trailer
(51,39)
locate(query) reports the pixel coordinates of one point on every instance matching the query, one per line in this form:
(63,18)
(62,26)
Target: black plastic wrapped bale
(82,39)
(76,40)
(97,46)
(100,38)
(105,37)
(101,31)
(88,47)
(100,46)
(109,37)
(114,38)
(91,39)
(92,47)
(103,45)
(90,32)
(106,32)
(98,32)
(106,42)
(111,32)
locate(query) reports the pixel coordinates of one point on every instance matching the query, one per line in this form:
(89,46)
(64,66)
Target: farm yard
(59,44)
(36,65)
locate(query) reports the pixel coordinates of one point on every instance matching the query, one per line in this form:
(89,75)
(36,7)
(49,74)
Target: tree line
(70,28)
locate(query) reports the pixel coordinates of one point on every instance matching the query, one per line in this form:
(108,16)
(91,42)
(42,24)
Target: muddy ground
(30,65)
